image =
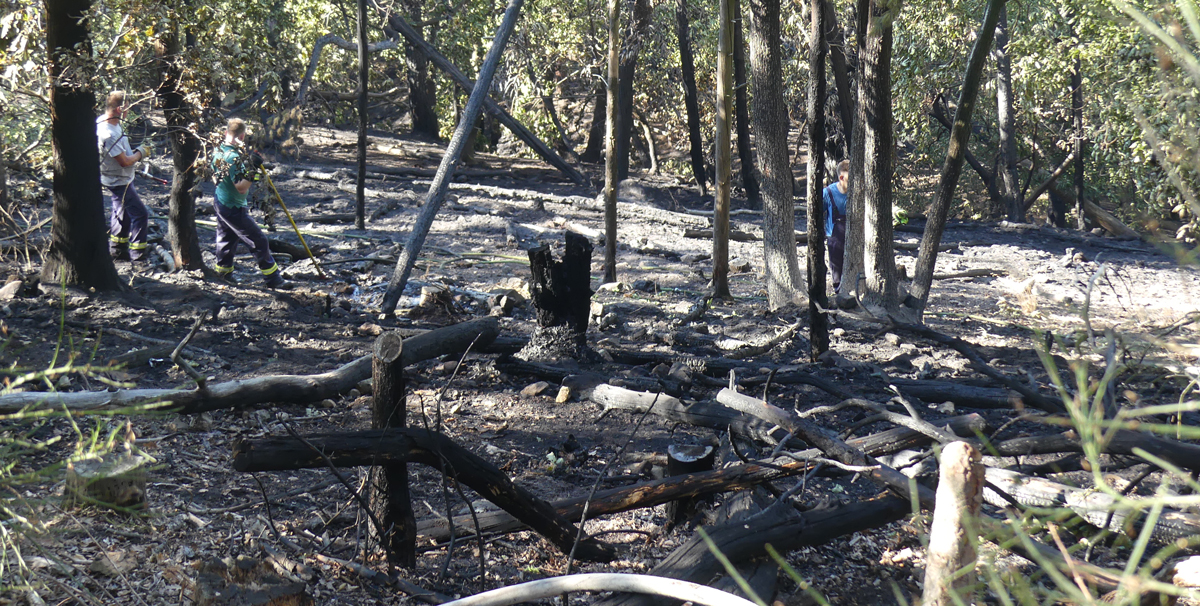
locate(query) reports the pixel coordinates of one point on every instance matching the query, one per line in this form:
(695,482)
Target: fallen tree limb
(707,234)
(936,392)
(280,389)
(978,272)
(657,492)
(603,581)
(401,445)
(1124,442)
(1097,508)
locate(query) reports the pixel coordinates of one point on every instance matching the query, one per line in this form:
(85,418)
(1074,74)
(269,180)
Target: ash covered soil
(200,509)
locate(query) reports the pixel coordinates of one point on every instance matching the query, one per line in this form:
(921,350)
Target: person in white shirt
(127,229)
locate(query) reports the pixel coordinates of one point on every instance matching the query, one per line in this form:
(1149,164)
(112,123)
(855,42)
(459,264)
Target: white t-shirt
(112,143)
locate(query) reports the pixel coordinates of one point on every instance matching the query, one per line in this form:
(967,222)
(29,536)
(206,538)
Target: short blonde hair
(116,99)
(236,127)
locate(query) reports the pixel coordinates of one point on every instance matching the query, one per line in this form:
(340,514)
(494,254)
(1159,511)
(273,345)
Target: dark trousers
(127,228)
(235,225)
(837,250)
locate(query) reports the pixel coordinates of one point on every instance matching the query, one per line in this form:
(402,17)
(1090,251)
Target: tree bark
(560,290)
(185,152)
(741,110)
(612,132)
(818,322)
(1077,120)
(879,263)
(353,449)
(422,88)
(1007,122)
(771,123)
(390,499)
(598,131)
(952,167)
(852,264)
(360,200)
(724,160)
(954,530)
(690,96)
(631,47)
(836,41)
(441,182)
(78,253)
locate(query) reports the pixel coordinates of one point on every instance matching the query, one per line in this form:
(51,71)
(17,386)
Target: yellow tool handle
(293,222)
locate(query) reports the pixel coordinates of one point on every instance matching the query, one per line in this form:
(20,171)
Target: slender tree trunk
(819,324)
(611,178)
(771,123)
(598,130)
(955,155)
(631,46)
(879,262)
(690,96)
(852,266)
(78,253)
(724,154)
(841,75)
(745,153)
(185,152)
(360,203)
(1007,122)
(1077,119)
(422,88)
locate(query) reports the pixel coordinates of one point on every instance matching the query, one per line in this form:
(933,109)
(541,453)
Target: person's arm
(127,160)
(243,186)
(828,212)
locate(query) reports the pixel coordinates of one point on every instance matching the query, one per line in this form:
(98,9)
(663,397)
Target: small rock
(609,321)
(892,339)
(366,386)
(201,422)
(564,395)
(661,370)
(353,394)
(695,258)
(370,329)
(612,287)
(10,290)
(740,266)
(327,403)
(447,367)
(113,563)
(338,312)
(645,285)
(535,389)
(838,332)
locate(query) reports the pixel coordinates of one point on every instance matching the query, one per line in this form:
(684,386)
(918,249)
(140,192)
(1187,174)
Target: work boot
(276,282)
(119,254)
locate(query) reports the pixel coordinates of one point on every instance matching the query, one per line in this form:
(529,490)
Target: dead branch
(604,581)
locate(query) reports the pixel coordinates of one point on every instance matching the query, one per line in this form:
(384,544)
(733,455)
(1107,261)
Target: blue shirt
(834,199)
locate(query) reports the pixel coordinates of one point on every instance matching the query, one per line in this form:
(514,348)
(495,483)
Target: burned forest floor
(1079,291)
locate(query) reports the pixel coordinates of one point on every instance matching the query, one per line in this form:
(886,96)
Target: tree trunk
(614,118)
(1007,122)
(598,130)
(954,530)
(720,279)
(185,151)
(879,263)
(78,253)
(852,264)
(441,182)
(561,290)
(631,47)
(819,323)
(1077,119)
(952,167)
(422,88)
(771,124)
(390,501)
(360,203)
(690,96)
(836,42)
(745,153)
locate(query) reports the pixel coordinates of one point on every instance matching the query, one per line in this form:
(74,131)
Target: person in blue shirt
(835,196)
(235,169)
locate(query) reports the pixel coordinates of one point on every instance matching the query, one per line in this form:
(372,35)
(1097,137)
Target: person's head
(235,130)
(843,173)
(115,105)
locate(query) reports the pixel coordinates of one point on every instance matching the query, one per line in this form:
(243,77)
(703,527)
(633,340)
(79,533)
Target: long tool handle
(287,212)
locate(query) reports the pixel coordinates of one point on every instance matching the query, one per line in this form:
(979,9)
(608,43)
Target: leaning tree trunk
(724,159)
(1077,119)
(631,46)
(819,324)
(952,167)
(852,264)
(78,253)
(1007,122)
(690,96)
(836,43)
(771,123)
(360,198)
(610,144)
(596,133)
(740,103)
(422,88)
(879,263)
(185,153)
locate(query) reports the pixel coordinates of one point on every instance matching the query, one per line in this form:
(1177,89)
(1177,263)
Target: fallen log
(603,581)
(1123,442)
(401,445)
(657,492)
(970,396)
(707,234)
(781,527)
(1097,508)
(278,389)
(978,272)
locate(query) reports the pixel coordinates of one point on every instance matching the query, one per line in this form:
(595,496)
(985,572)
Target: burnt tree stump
(561,293)
(390,500)
(684,459)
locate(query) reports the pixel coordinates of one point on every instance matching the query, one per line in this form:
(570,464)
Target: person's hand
(256,160)
(146,150)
